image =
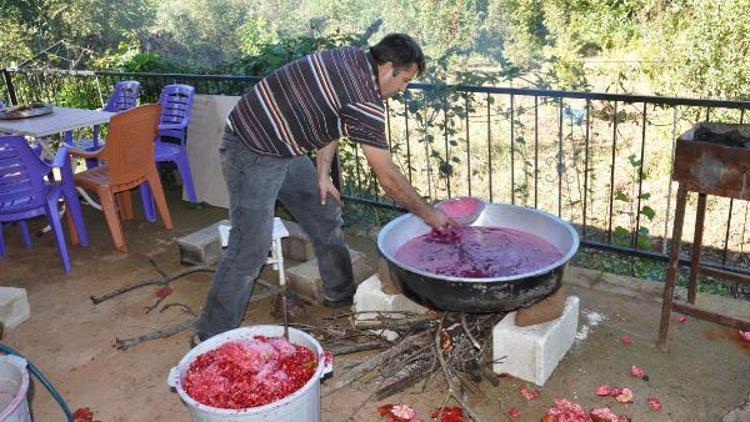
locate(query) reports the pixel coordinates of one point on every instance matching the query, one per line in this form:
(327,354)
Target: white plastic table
(61,120)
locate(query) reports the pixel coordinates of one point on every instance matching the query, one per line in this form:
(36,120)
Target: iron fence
(601,161)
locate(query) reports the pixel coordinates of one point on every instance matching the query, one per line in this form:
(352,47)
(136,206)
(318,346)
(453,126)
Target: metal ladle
(461,218)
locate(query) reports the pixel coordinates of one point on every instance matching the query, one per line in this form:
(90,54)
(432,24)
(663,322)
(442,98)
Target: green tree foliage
(709,55)
(203,33)
(672,47)
(32,25)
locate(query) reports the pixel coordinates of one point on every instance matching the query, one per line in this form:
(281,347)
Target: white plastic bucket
(14,384)
(301,406)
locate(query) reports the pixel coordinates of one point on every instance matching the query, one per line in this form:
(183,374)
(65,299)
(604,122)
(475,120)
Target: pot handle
(173,379)
(327,363)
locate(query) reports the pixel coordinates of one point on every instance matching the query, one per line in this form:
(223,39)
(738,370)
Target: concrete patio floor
(703,377)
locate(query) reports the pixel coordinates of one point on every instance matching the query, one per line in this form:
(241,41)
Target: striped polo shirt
(311,102)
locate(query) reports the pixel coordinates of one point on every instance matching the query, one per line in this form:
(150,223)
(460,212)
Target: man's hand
(327,188)
(439,220)
(397,187)
(323,163)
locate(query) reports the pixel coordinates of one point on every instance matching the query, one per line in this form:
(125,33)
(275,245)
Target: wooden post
(673,269)
(695,257)
(9,85)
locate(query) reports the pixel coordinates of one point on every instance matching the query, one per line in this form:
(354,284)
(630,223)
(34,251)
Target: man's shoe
(338,304)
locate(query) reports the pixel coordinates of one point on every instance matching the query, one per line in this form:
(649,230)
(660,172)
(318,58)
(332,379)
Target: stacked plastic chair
(124,97)
(176,105)
(27,190)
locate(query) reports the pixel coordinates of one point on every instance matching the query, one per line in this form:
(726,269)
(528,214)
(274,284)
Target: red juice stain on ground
(727,334)
(478,252)
(249,373)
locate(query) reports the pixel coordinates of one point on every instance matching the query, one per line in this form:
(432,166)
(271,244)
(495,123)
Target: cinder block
(533,352)
(202,247)
(14,306)
(371,297)
(297,246)
(305,279)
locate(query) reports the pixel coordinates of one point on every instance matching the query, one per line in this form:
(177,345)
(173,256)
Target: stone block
(547,309)
(305,279)
(297,246)
(202,247)
(370,296)
(14,306)
(533,352)
(384,275)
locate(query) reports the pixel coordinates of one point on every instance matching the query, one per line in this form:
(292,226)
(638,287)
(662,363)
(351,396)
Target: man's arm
(397,187)
(323,161)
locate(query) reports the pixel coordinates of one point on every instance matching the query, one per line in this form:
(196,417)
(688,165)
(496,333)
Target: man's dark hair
(400,49)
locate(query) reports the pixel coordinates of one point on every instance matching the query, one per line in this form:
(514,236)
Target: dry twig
(446,373)
(162,281)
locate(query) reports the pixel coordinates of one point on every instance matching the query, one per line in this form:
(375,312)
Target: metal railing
(601,161)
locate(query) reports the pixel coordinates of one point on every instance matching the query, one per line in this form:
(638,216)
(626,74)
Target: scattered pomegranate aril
(83,414)
(449,414)
(249,373)
(164,292)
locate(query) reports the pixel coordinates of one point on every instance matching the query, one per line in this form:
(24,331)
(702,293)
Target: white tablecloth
(204,133)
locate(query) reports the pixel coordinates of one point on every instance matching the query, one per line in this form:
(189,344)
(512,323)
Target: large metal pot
(480,295)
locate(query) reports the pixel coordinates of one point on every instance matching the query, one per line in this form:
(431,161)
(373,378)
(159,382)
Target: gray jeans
(255,182)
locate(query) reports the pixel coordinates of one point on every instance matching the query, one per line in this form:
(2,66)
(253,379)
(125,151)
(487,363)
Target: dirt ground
(701,378)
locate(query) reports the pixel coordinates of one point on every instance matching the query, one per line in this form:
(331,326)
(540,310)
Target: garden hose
(38,374)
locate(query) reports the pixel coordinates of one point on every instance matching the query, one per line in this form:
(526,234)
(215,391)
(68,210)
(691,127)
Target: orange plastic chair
(127,161)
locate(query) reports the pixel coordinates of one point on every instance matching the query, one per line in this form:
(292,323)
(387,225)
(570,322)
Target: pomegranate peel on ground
(621,394)
(654,403)
(398,413)
(604,414)
(637,372)
(565,410)
(529,394)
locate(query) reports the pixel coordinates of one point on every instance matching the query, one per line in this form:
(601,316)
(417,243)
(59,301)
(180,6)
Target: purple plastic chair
(123,98)
(25,194)
(176,104)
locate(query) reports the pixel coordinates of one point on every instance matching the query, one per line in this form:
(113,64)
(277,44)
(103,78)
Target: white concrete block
(532,353)
(14,306)
(370,297)
(202,247)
